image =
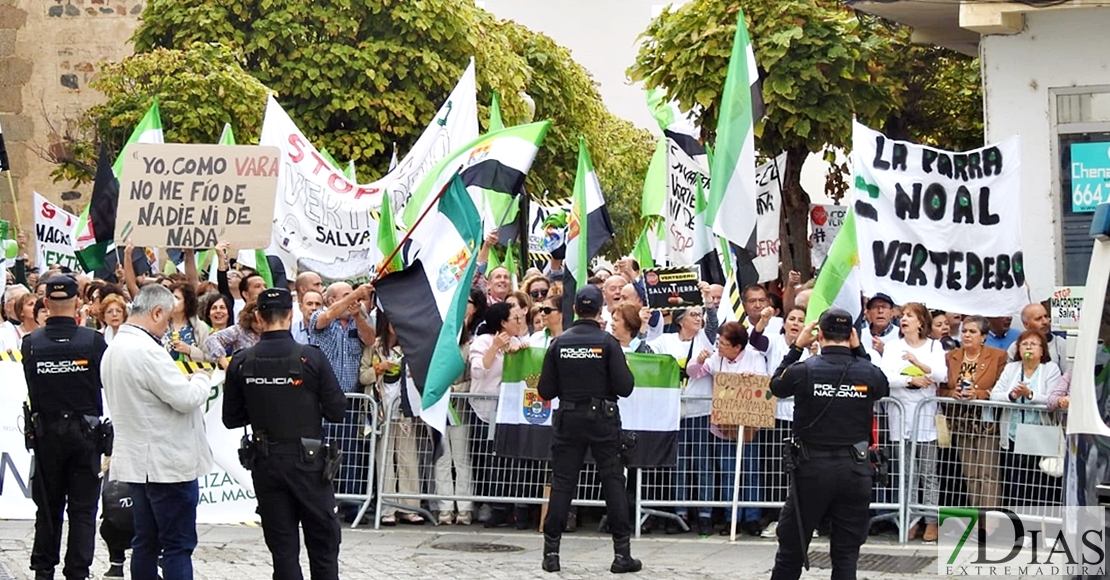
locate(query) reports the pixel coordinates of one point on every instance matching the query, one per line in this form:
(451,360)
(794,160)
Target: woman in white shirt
(695,442)
(499,335)
(1027,380)
(735,355)
(915,365)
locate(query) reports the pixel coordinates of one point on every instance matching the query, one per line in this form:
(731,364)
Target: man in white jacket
(160,448)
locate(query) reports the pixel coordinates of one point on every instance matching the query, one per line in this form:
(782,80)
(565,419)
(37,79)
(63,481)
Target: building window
(1082,124)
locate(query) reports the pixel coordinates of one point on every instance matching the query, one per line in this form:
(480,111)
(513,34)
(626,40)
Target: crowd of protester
(925,354)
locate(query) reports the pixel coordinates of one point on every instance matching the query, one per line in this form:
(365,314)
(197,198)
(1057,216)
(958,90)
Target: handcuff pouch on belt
(604,407)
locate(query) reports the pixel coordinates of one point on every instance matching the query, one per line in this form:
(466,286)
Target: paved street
(238,552)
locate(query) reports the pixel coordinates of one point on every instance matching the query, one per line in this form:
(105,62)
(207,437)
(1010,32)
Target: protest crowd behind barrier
(443,328)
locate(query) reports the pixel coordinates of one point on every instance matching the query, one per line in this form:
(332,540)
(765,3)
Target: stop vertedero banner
(54,235)
(939,227)
(323,221)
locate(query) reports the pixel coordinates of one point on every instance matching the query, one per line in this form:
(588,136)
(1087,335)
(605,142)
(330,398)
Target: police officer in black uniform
(586,369)
(834,395)
(62,364)
(283,390)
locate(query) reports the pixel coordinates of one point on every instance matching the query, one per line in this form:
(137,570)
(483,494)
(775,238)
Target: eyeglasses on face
(548,309)
(538,293)
(1030,344)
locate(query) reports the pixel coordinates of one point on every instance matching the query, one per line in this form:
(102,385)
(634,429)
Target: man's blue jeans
(166,526)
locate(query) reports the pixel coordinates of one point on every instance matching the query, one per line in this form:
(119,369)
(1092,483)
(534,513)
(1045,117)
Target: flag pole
(408,234)
(15,202)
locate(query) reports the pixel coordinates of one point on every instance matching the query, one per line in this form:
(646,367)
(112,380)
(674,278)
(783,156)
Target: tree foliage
(358,75)
(199,89)
(820,66)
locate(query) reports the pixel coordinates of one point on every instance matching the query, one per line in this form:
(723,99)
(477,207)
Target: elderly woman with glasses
(1027,380)
(973,371)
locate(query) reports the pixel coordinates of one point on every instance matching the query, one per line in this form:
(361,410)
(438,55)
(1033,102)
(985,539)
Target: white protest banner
(176,195)
(222,499)
(681,205)
(938,227)
(322,221)
(1066,306)
(824,224)
(53,235)
(768,206)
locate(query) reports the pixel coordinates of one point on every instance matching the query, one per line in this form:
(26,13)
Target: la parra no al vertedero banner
(939,227)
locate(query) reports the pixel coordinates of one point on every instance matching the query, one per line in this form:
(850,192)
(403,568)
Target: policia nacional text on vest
(828,461)
(62,425)
(283,390)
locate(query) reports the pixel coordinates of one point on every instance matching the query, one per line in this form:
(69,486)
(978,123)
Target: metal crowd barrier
(468,471)
(983,461)
(357,438)
(704,474)
(701,479)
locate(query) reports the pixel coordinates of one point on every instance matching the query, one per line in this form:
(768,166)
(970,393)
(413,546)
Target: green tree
(199,89)
(357,75)
(819,65)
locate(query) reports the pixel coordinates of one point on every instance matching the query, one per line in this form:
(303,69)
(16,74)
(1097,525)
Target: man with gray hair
(160,448)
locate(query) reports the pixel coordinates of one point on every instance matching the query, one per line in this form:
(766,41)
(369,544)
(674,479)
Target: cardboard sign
(672,288)
(742,400)
(1067,305)
(196,196)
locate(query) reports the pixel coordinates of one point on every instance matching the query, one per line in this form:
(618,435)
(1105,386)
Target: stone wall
(50,51)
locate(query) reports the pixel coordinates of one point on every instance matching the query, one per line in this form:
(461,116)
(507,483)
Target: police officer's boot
(622,556)
(550,553)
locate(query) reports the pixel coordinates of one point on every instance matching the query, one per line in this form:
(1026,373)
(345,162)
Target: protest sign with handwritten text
(195,196)
(742,400)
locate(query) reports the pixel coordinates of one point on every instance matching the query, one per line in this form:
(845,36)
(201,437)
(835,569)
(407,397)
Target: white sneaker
(769,531)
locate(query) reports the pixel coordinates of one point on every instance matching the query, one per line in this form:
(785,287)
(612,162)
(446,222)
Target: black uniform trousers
(575,433)
(292,491)
(66,480)
(829,484)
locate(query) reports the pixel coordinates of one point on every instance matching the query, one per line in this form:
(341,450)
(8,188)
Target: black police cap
(836,321)
(275,299)
(61,287)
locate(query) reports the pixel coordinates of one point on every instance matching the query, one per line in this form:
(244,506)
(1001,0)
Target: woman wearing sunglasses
(537,288)
(552,320)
